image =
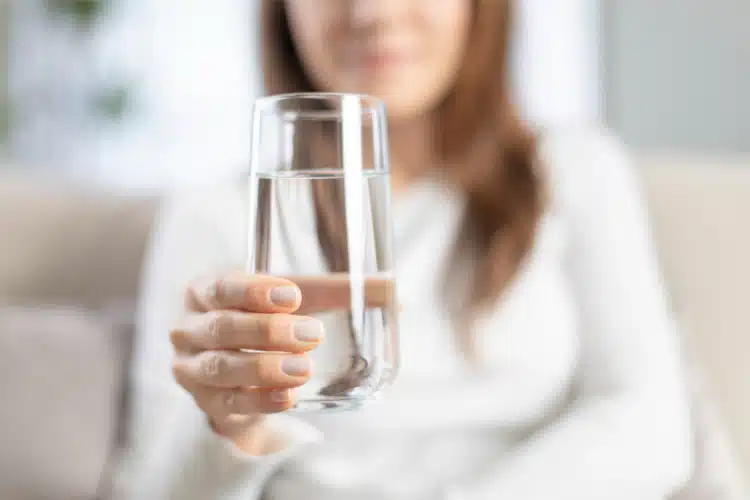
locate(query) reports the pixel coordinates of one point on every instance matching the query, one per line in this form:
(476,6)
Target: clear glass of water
(320,215)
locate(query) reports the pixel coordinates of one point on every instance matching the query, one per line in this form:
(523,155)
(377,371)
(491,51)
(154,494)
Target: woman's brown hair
(485,149)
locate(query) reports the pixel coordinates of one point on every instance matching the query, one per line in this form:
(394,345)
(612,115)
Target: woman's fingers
(270,294)
(223,405)
(233,369)
(225,329)
(331,292)
(252,293)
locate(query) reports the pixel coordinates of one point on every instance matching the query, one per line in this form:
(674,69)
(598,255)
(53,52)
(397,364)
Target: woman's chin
(400,109)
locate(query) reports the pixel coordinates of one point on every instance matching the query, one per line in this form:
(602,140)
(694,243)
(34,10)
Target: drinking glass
(320,215)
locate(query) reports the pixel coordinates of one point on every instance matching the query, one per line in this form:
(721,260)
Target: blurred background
(138,94)
(121,100)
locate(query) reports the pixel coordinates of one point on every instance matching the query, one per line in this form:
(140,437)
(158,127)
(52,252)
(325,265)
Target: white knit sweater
(578,393)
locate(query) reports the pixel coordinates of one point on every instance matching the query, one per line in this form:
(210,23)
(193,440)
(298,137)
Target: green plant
(113,103)
(82,12)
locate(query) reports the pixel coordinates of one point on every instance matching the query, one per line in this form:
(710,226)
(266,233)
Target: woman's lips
(384,61)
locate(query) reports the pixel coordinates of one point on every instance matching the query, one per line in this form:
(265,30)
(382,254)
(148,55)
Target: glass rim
(369,113)
(367,102)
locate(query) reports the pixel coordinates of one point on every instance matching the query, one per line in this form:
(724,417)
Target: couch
(69,266)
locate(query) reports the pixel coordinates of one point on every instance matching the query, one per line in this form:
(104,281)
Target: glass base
(326,405)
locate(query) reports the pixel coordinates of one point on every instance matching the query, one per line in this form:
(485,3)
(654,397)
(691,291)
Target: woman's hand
(235,388)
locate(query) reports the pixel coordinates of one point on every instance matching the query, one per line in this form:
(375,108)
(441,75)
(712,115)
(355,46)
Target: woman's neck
(412,151)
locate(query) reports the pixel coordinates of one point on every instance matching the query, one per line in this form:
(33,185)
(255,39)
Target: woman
(568,383)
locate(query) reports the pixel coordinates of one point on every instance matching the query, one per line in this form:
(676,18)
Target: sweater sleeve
(173,452)
(627,433)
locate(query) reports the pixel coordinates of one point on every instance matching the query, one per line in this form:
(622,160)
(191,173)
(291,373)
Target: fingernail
(228,291)
(278,396)
(284,296)
(296,366)
(309,330)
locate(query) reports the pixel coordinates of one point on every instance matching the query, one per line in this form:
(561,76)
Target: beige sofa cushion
(61,387)
(701,216)
(66,245)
